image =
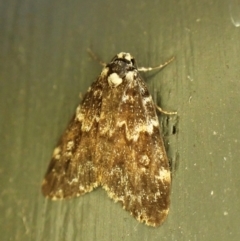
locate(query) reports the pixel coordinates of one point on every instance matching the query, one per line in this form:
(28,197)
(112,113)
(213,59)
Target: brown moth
(114,141)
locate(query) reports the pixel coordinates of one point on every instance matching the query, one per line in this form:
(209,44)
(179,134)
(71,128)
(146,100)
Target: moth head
(126,57)
(120,66)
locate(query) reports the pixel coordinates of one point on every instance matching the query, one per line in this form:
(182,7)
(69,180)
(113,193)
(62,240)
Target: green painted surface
(43,68)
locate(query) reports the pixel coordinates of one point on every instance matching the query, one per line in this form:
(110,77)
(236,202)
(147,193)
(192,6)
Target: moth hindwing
(114,141)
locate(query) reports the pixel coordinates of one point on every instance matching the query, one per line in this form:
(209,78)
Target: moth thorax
(114,80)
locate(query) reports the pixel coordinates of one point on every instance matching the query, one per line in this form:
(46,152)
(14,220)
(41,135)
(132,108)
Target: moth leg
(95,57)
(143,69)
(165,112)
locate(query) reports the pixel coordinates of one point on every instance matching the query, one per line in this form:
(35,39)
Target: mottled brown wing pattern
(134,167)
(72,169)
(114,141)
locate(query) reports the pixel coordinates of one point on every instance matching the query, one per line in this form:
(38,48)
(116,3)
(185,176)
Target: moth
(114,141)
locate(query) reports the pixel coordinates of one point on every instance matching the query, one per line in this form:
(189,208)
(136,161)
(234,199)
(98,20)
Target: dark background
(43,68)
